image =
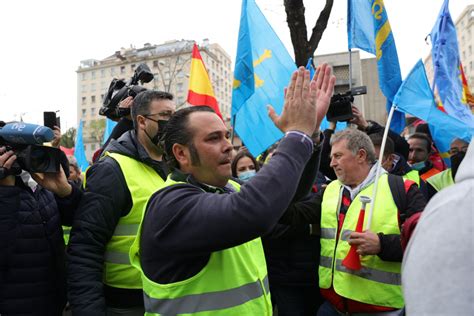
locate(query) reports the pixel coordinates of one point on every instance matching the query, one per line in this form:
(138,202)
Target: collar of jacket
(178,175)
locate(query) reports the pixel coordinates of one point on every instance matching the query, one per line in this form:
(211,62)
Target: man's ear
(140,122)
(361,155)
(181,154)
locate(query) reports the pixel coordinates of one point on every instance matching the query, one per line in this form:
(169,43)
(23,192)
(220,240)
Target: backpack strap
(398,189)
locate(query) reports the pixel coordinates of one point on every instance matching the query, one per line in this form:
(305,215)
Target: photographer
(101,279)
(32,265)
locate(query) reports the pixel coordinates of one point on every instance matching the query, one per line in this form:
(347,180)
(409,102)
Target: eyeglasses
(163,114)
(455,150)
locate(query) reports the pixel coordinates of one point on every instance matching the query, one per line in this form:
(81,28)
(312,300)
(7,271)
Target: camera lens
(39,159)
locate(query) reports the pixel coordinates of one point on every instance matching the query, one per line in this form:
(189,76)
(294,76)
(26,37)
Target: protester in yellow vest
(199,250)
(375,288)
(101,279)
(444,179)
(418,158)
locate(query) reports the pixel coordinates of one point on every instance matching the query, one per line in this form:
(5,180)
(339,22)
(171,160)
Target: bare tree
(295,17)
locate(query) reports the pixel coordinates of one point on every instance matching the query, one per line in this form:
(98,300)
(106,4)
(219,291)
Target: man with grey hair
(376,287)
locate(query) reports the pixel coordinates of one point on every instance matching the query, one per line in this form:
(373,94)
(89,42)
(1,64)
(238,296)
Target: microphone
(25,133)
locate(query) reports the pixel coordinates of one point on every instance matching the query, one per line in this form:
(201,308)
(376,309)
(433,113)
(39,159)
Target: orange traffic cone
(352,260)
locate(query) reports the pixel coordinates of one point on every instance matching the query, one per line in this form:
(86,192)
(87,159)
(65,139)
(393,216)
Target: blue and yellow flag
(109,127)
(263,69)
(368,28)
(416,98)
(447,67)
(79,152)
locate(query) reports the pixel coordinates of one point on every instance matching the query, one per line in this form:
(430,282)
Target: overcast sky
(44,41)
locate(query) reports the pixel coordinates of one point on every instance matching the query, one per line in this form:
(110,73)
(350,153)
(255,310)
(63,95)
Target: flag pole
(350,69)
(379,165)
(232,134)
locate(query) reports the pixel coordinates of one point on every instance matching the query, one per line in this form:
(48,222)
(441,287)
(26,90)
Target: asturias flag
(415,97)
(79,152)
(263,69)
(200,87)
(368,28)
(447,67)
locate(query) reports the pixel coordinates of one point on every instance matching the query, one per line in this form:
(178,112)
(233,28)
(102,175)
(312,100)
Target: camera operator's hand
(358,119)
(126,104)
(54,182)
(57,137)
(7,158)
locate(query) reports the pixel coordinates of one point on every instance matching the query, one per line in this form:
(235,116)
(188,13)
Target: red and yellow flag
(200,87)
(467,97)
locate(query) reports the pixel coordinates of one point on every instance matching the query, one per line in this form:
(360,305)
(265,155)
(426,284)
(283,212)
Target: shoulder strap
(397,187)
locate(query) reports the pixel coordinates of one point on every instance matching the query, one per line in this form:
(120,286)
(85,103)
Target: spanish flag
(200,88)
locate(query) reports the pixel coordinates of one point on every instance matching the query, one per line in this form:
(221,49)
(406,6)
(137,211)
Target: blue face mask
(418,165)
(244,176)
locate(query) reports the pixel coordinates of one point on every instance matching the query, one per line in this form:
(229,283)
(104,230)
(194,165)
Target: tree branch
(320,26)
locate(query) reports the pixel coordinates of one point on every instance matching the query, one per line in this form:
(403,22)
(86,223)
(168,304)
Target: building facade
(170,63)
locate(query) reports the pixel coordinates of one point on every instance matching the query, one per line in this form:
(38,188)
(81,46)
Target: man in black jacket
(200,229)
(32,258)
(100,277)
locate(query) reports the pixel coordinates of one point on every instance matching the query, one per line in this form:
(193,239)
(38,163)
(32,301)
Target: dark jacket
(32,258)
(105,200)
(183,224)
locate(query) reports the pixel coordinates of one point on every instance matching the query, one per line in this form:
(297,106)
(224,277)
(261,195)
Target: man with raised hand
(200,249)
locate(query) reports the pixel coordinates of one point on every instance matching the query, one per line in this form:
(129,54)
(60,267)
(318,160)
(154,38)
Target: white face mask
(246,175)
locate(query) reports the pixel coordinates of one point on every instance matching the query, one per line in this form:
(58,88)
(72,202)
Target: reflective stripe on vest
(441,180)
(378,282)
(212,301)
(244,290)
(425,176)
(142,181)
(66,233)
(366,273)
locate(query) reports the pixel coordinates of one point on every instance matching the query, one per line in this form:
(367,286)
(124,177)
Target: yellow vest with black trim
(441,180)
(414,176)
(378,282)
(234,282)
(142,181)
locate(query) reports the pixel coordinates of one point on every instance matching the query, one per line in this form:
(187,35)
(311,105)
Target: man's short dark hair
(377,138)
(424,137)
(141,103)
(177,131)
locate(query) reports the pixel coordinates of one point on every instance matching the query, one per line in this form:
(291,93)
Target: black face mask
(456,160)
(156,139)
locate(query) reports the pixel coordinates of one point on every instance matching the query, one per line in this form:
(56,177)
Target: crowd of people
(171,219)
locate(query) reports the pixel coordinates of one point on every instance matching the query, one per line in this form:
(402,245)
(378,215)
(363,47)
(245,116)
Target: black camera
(340,108)
(25,140)
(119,90)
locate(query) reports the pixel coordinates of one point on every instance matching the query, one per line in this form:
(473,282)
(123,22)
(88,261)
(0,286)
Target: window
(471,66)
(92,111)
(83,100)
(102,73)
(470,50)
(463,54)
(93,99)
(93,147)
(112,71)
(132,67)
(93,74)
(122,69)
(102,97)
(179,87)
(84,112)
(84,76)
(92,86)
(155,63)
(84,88)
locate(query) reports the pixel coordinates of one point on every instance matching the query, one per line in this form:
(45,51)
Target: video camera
(26,141)
(340,108)
(119,90)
